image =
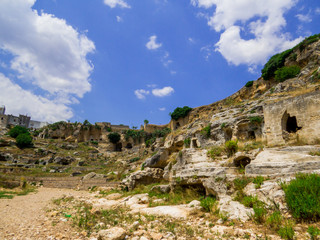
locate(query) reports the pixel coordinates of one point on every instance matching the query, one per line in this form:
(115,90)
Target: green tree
(114,137)
(15,131)
(24,140)
(180,112)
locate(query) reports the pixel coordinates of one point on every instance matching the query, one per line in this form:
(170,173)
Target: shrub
(275,62)
(259,214)
(274,221)
(86,123)
(223,125)
(258,180)
(231,147)
(285,73)
(187,142)
(307,41)
(255,119)
(114,137)
(206,131)
(24,140)
(302,196)
(286,231)
(249,84)
(251,201)
(180,112)
(314,232)
(15,131)
(207,203)
(214,152)
(241,183)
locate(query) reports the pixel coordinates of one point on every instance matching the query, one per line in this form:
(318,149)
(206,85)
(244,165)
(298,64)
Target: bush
(249,84)
(206,131)
(275,62)
(285,73)
(15,131)
(180,112)
(86,123)
(258,180)
(214,152)
(231,147)
(274,221)
(24,140)
(314,232)
(302,196)
(187,142)
(286,231)
(208,203)
(255,119)
(241,183)
(259,214)
(307,41)
(114,137)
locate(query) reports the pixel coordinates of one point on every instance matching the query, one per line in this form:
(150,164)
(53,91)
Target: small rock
(115,233)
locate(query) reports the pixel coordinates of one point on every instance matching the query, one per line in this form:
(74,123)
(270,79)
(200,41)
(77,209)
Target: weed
(259,214)
(255,119)
(208,203)
(206,131)
(302,196)
(286,231)
(231,147)
(258,181)
(314,232)
(224,217)
(187,142)
(241,183)
(274,221)
(215,151)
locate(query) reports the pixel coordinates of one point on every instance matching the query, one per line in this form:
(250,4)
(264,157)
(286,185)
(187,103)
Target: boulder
(233,209)
(92,175)
(179,211)
(146,176)
(161,188)
(159,160)
(115,233)
(63,160)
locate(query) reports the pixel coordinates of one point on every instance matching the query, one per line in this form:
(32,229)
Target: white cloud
(317,10)
(115,3)
(20,101)
(47,52)
(152,85)
(304,18)
(162,109)
(263,19)
(163,92)
(166,61)
(119,19)
(152,44)
(141,93)
(191,40)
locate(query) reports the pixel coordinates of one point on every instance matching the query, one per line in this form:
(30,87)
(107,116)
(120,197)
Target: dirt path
(24,217)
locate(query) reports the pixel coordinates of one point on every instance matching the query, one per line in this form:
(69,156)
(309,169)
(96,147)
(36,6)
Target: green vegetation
(114,137)
(215,151)
(314,232)
(275,62)
(285,73)
(286,231)
(259,214)
(249,84)
(86,123)
(231,147)
(253,145)
(302,196)
(145,121)
(274,220)
(16,130)
(206,131)
(180,112)
(307,41)
(24,140)
(255,119)
(258,180)
(187,142)
(241,183)
(208,204)
(316,75)
(223,125)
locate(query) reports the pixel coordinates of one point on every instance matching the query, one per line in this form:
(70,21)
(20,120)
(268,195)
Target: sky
(124,61)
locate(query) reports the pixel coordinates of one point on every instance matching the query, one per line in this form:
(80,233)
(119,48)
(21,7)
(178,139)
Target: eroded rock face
(159,160)
(63,160)
(283,162)
(146,176)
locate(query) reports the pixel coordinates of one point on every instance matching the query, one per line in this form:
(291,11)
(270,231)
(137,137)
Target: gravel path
(24,217)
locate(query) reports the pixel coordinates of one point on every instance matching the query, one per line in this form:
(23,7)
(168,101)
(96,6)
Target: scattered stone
(115,233)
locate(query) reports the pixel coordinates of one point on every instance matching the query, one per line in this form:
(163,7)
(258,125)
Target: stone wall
(150,128)
(294,119)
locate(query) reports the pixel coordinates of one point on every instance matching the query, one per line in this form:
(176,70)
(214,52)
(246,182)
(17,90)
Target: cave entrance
(177,125)
(129,146)
(292,126)
(289,123)
(194,143)
(228,134)
(118,147)
(251,135)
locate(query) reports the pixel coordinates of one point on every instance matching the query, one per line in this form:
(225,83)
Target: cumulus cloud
(18,100)
(166,61)
(141,93)
(119,19)
(317,10)
(152,44)
(263,19)
(162,109)
(116,3)
(163,92)
(47,52)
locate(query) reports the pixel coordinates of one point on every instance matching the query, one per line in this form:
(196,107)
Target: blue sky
(123,61)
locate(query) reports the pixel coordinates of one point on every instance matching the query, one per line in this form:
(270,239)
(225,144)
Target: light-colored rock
(115,233)
(114,196)
(179,212)
(161,188)
(282,162)
(92,175)
(159,160)
(233,209)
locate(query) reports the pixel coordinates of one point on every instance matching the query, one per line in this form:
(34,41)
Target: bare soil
(25,217)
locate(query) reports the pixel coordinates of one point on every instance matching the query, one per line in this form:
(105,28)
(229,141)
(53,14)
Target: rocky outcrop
(282,162)
(146,176)
(159,160)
